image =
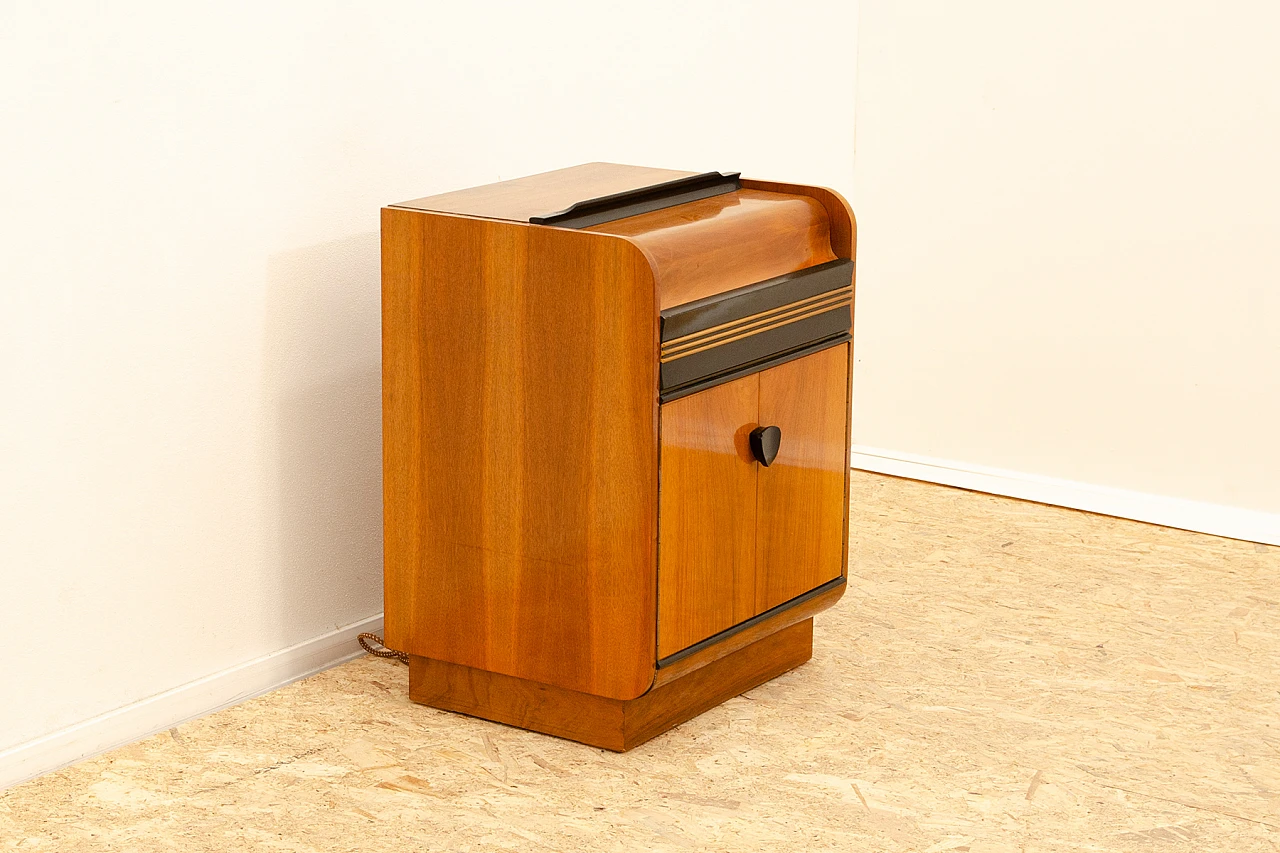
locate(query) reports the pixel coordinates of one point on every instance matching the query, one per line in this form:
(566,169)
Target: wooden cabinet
(581,536)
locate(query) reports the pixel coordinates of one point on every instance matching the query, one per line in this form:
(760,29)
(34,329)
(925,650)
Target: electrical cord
(381,651)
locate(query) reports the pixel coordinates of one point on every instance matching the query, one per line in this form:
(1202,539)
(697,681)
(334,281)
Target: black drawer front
(751,328)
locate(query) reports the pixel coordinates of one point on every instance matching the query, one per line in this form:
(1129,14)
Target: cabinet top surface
(544,194)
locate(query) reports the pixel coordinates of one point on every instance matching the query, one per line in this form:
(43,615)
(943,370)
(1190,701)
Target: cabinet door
(707,514)
(800,505)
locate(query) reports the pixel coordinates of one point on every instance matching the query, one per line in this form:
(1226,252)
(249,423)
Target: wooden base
(608,723)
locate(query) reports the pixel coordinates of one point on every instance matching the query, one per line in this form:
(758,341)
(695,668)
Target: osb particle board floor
(1001,676)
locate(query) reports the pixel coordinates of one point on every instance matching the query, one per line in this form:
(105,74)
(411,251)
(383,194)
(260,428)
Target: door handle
(765,441)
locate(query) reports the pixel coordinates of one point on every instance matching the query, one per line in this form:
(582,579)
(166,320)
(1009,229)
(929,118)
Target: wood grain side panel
(544,193)
(503,273)
(403,474)
(716,244)
(427,382)
(593,453)
(800,514)
(520,451)
(707,517)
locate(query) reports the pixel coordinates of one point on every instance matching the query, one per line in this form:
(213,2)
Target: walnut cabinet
(615,442)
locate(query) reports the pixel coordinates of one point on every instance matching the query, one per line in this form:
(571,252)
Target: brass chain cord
(381,651)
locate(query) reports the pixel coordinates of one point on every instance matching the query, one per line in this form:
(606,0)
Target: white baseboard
(165,710)
(1219,520)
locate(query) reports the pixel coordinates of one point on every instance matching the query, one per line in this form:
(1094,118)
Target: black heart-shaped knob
(765,441)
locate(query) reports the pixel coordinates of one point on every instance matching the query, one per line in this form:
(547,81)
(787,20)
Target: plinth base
(614,724)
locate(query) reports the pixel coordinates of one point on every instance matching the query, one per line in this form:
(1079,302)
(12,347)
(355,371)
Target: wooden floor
(1001,676)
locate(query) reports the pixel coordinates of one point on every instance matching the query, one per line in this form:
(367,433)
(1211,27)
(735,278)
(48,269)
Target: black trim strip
(772,361)
(760,322)
(757,298)
(834,583)
(606,208)
(753,349)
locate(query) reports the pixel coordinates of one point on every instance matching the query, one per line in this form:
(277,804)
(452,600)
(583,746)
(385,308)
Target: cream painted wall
(1069,262)
(189,308)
